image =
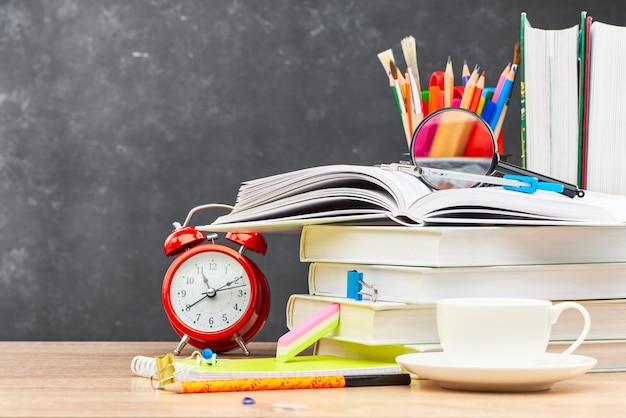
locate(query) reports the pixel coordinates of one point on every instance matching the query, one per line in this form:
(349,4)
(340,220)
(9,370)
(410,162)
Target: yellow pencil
(448,84)
(281,383)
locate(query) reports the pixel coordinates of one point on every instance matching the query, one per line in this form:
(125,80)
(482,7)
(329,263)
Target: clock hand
(229,283)
(229,288)
(206,295)
(211,292)
(205,280)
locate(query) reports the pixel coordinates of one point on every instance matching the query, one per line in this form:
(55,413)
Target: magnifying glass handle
(524,184)
(569,190)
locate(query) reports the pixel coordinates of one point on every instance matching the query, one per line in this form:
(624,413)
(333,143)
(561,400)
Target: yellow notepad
(188,369)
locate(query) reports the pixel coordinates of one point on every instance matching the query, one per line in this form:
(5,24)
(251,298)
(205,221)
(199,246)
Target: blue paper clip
(355,285)
(532,184)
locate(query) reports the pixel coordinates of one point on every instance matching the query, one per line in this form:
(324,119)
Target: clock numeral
(189,280)
(183,293)
(198,317)
(212,266)
(187,307)
(241,293)
(199,269)
(224,318)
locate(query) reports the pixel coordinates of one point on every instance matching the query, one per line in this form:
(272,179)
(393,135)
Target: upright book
(550,100)
(573,112)
(428,284)
(435,246)
(606,130)
(355,193)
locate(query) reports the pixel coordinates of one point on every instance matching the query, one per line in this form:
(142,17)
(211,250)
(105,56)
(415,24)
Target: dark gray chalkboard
(117,117)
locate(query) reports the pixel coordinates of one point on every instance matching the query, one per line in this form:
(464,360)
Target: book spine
(522,86)
(582,35)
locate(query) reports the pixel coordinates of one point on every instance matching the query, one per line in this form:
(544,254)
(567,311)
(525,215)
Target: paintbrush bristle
(409,51)
(517,55)
(393,70)
(385,58)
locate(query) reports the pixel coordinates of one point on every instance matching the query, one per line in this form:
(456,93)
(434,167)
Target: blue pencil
(507,86)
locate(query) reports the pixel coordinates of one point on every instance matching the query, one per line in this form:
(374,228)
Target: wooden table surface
(73,379)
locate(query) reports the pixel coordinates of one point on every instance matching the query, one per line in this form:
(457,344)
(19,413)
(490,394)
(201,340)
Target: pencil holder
(482,102)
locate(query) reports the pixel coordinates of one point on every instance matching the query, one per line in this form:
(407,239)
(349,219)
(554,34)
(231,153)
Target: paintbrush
(397,87)
(386,58)
(410,57)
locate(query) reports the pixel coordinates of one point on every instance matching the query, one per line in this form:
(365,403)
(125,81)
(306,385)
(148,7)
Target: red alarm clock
(214,296)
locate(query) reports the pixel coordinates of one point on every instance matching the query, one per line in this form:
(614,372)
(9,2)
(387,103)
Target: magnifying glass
(455,147)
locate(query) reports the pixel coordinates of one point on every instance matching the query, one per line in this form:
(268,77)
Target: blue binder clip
(355,285)
(532,184)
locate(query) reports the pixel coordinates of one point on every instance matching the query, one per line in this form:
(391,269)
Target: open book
(362,194)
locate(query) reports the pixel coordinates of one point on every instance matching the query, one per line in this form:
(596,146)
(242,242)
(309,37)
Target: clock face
(210,291)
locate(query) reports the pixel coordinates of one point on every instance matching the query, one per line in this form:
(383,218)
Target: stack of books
(407,270)
(424,245)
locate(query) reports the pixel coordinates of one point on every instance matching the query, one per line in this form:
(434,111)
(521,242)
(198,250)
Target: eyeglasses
(454,147)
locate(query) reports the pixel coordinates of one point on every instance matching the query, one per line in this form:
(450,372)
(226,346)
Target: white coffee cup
(501,332)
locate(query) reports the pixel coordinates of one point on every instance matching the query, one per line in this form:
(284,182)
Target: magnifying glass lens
(454,139)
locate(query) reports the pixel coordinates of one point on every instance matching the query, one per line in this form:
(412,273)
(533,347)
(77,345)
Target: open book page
(496,205)
(324,191)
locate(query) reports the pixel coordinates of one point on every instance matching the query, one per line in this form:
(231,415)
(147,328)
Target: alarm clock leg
(183,342)
(242,344)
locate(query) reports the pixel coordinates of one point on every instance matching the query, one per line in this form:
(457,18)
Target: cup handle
(556,312)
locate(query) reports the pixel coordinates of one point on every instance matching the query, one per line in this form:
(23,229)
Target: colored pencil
(448,84)
(468,93)
(465,74)
(478,92)
(517,58)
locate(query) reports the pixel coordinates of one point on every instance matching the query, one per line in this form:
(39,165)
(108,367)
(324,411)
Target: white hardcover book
(457,246)
(427,284)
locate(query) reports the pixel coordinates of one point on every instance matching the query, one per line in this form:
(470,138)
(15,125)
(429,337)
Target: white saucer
(514,379)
